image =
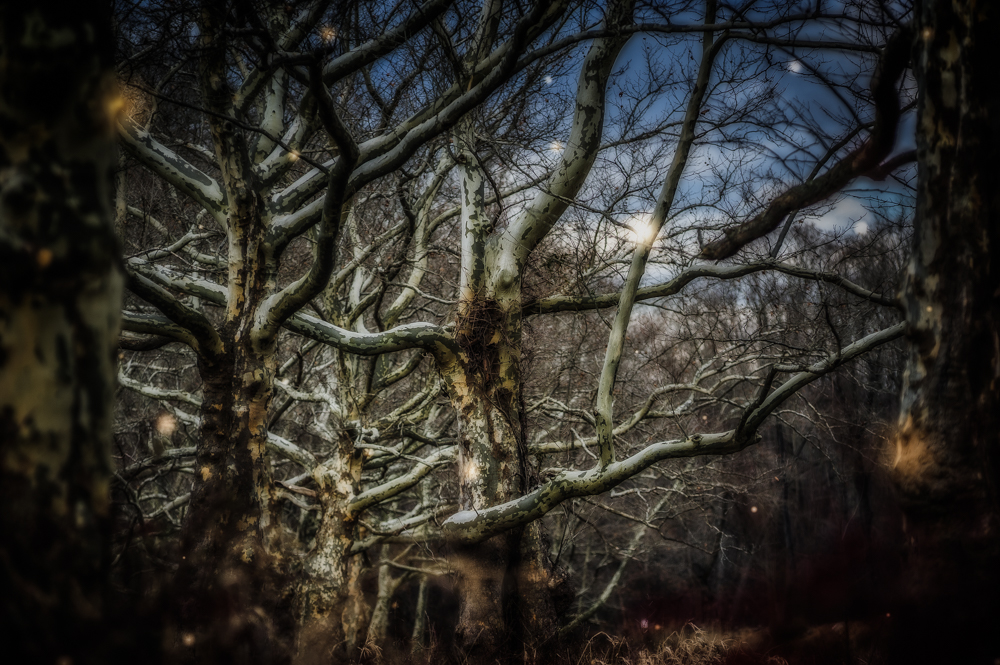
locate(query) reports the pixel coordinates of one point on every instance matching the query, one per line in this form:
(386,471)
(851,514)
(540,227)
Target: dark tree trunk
(946,458)
(60,295)
(230,577)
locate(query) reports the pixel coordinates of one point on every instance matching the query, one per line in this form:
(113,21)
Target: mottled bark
(330,611)
(60,292)
(506,581)
(947,459)
(230,577)
(388,584)
(233,598)
(485,389)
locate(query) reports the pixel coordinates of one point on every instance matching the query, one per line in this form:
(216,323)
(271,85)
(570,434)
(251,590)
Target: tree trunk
(330,611)
(60,294)
(420,618)
(504,582)
(232,576)
(946,459)
(378,627)
(231,571)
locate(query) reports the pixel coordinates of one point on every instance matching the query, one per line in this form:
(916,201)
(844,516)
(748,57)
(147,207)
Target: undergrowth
(690,646)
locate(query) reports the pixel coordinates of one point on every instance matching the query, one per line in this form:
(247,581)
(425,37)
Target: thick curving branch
(158,326)
(369,52)
(385,152)
(165,163)
(202,333)
(284,155)
(470,526)
(792,385)
(144,342)
(603,416)
(554,304)
(582,146)
(400,484)
(384,161)
(289,39)
(429,337)
(279,306)
(895,57)
(201,288)
(474,526)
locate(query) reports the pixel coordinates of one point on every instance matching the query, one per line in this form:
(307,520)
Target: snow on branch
(467,528)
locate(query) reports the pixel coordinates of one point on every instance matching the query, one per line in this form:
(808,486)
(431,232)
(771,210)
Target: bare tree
(399,194)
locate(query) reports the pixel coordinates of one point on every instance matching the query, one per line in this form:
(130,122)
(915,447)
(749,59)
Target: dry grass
(860,643)
(689,646)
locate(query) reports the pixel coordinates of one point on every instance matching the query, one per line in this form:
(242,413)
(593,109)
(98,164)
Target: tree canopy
(371,227)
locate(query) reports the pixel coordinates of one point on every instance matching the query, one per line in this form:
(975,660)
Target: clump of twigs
(479,333)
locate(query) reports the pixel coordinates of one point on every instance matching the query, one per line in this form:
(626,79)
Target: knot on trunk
(479,333)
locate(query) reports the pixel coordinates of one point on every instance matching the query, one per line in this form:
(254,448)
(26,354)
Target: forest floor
(844,643)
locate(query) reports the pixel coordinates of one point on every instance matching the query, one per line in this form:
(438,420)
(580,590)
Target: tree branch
(554,304)
(582,146)
(893,61)
(475,526)
(168,165)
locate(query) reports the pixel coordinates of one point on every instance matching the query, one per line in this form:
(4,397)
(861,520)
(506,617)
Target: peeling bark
(946,459)
(230,575)
(485,389)
(60,293)
(330,612)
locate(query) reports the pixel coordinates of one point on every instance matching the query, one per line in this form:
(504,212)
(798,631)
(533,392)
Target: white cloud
(847,213)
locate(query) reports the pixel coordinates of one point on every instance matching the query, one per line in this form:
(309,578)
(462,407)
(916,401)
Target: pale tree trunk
(330,611)
(388,585)
(491,470)
(947,459)
(485,384)
(232,576)
(60,294)
(420,620)
(505,582)
(238,604)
